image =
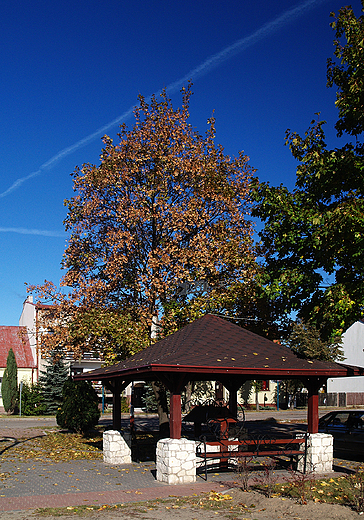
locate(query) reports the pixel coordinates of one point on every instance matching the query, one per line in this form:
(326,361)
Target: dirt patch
(231,505)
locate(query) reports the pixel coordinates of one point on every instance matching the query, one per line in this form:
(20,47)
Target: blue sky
(71,69)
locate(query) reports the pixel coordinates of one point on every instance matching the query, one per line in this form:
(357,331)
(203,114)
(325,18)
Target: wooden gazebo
(212,348)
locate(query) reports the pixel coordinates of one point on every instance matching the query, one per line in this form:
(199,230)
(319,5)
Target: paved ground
(31,485)
(34,484)
(143,420)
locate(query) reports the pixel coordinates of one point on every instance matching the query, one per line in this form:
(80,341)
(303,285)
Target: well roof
(212,345)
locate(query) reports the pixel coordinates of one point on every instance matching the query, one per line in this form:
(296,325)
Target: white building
(353,349)
(30,319)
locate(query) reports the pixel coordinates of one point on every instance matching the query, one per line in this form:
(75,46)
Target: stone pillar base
(176,461)
(115,448)
(320,453)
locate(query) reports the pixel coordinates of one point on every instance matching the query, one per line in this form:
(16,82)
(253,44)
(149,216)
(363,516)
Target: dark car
(347,428)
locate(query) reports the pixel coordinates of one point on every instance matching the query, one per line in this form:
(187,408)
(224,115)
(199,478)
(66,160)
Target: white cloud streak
(39,232)
(209,64)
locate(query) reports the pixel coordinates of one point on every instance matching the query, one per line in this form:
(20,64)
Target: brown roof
(17,339)
(212,345)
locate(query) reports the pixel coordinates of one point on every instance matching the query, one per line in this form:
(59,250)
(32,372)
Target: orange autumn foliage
(164,206)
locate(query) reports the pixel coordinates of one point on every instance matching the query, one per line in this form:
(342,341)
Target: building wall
(353,348)
(24,374)
(266,397)
(28,319)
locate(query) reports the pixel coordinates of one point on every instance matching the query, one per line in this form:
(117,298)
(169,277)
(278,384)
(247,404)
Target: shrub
(124,405)
(32,400)
(243,469)
(79,411)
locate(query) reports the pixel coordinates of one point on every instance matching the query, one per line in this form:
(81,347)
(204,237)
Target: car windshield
(339,418)
(348,419)
(356,420)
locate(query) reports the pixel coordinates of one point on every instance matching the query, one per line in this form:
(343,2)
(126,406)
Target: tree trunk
(188,396)
(161,397)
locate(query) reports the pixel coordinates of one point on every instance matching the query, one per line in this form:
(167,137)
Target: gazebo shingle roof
(212,345)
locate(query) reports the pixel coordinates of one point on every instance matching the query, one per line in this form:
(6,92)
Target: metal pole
(21,388)
(277,395)
(103,399)
(132,423)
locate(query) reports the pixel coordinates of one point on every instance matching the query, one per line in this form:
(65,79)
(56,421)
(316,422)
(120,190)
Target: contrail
(209,64)
(39,232)
(67,151)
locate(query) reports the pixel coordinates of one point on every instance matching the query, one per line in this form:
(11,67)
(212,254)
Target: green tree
(51,381)
(257,387)
(79,411)
(305,340)
(313,236)
(149,398)
(245,392)
(9,384)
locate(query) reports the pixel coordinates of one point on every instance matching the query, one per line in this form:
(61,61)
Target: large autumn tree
(165,206)
(313,237)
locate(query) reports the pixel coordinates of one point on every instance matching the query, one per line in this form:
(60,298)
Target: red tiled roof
(212,345)
(17,339)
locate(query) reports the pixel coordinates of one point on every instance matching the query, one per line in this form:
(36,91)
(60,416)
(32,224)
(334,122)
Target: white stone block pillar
(176,461)
(115,448)
(320,453)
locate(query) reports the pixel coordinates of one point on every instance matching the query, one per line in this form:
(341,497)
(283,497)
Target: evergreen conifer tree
(52,380)
(9,386)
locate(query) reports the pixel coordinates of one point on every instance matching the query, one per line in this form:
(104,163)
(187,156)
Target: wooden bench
(259,446)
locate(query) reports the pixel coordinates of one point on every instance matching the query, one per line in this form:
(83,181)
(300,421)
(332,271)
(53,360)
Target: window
(76,370)
(265,386)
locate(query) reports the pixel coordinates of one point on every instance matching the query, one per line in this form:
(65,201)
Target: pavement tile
(38,484)
(33,484)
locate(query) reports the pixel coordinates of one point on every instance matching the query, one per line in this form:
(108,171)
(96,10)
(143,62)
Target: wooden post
(313,386)
(219,391)
(175,383)
(233,386)
(175,419)
(312,412)
(116,405)
(233,401)
(116,386)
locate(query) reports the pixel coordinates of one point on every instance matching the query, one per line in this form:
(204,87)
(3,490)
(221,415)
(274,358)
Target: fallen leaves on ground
(56,447)
(348,490)
(212,501)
